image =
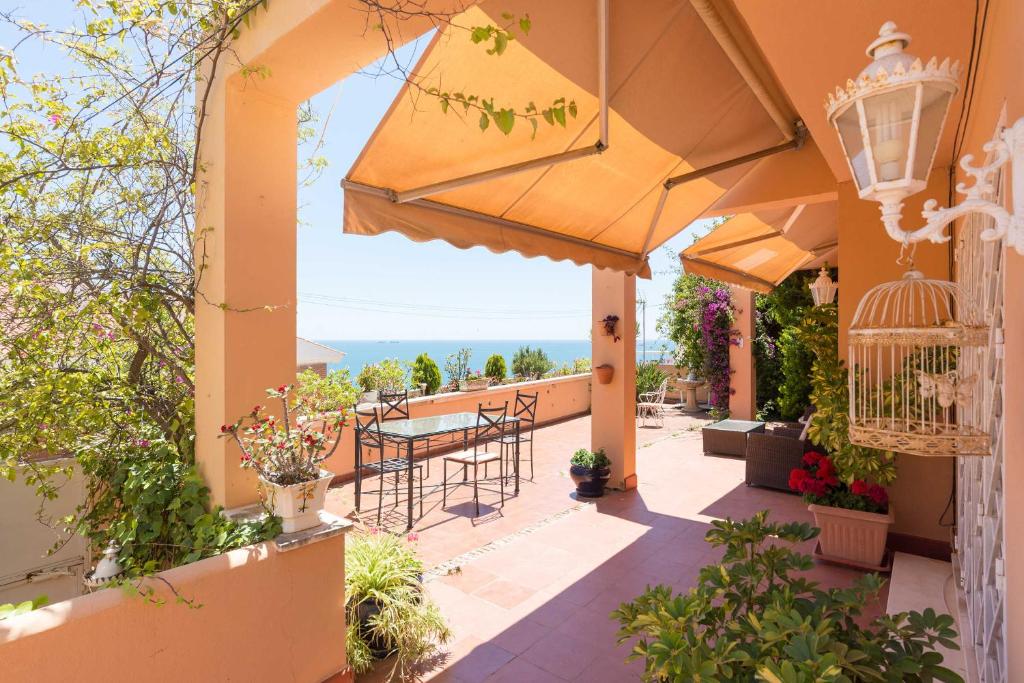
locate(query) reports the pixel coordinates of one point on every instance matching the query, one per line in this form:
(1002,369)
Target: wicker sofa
(772,455)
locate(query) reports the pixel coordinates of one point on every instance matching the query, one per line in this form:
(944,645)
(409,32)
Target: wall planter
(604,374)
(590,481)
(851,536)
(416,393)
(473,384)
(298,505)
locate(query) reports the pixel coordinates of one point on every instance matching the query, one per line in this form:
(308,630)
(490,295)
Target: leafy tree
(495,367)
(425,371)
(782,360)
(531,363)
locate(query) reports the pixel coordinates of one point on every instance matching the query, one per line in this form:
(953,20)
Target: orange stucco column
(613,406)
(743,399)
(245,310)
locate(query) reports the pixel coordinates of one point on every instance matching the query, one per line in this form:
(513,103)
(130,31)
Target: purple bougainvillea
(716,317)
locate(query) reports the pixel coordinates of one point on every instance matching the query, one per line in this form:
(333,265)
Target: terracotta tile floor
(534,606)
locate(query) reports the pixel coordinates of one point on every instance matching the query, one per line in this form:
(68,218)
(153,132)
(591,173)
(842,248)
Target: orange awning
(676,103)
(760,250)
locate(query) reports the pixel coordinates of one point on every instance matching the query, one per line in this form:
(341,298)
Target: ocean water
(360,353)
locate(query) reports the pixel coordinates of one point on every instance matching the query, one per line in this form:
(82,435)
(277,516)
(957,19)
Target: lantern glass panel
(853,144)
(934,103)
(889,117)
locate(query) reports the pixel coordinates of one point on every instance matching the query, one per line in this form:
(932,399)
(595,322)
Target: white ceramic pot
(369,396)
(298,505)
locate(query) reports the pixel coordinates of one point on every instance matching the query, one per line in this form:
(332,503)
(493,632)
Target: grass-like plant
(386,609)
(752,617)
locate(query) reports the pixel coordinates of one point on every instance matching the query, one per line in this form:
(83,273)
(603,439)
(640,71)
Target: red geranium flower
(859,487)
(796,477)
(811,458)
(878,495)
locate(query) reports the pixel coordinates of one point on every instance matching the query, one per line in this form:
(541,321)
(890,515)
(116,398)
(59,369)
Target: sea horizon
(360,352)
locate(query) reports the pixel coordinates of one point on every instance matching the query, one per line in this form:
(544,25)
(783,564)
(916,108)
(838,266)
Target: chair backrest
(368,429)
(526,408)
(490,422)
(394,406)
(661,391)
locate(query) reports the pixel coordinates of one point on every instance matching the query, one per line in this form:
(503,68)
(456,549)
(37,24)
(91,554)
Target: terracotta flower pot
(604,373)
(298,505)
(851,535)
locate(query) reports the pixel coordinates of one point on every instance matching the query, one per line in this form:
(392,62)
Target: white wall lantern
(889,120)
(823,290)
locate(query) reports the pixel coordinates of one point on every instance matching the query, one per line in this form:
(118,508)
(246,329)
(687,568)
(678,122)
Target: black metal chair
(490,426)
(526,411)
(395,406)
(369,438)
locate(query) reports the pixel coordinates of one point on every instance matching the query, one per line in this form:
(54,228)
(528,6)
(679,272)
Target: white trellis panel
(980,535)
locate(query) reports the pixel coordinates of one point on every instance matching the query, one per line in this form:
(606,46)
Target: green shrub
(648,377)
(425,371)
(531,363)
(382,572)
(751,618)
(324,394)
(592,459)
(794,395)
(387,375)
(158,512)
(495,368)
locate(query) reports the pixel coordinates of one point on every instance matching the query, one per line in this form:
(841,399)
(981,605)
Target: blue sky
(388,287)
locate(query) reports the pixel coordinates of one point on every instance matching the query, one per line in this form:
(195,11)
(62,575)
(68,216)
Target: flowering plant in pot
(854,518)
(286,455)
(474,381)
(590,471)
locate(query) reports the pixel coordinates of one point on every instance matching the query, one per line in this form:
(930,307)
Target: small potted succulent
(590,471)
(287,455)
(475,381)
(854,518)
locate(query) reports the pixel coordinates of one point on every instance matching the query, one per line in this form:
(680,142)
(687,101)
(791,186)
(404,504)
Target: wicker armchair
(771,456)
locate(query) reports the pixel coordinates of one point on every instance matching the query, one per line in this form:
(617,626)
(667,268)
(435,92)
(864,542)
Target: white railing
(980,535)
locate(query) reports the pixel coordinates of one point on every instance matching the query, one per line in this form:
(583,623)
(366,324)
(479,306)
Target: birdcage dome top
(916,305)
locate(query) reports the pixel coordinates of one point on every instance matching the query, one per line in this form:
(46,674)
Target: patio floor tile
(531,602)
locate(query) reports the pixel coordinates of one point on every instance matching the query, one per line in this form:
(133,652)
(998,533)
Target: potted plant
(369,383)
(754,617)
(608,325)
(854,519)
(590,471)
(853,513)
(475,381)
(386,609)
(287,455)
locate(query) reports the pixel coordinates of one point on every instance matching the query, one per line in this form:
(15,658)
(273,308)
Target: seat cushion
(468,458)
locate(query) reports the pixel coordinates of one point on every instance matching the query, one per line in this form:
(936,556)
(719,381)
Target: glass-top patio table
(405,433)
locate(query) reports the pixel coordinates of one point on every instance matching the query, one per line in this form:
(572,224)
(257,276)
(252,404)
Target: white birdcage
(915,356)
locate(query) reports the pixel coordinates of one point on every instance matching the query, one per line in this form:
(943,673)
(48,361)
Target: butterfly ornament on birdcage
(946,387)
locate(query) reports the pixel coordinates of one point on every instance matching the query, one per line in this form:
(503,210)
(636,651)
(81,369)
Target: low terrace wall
(558,398)
(266,615)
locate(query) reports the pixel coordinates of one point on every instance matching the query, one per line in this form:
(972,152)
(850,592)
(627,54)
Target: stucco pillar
(743,399)
(613,406)
(1013,464)
(245,262)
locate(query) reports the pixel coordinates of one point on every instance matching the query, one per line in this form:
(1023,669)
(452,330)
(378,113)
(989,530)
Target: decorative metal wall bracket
(1007,146)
